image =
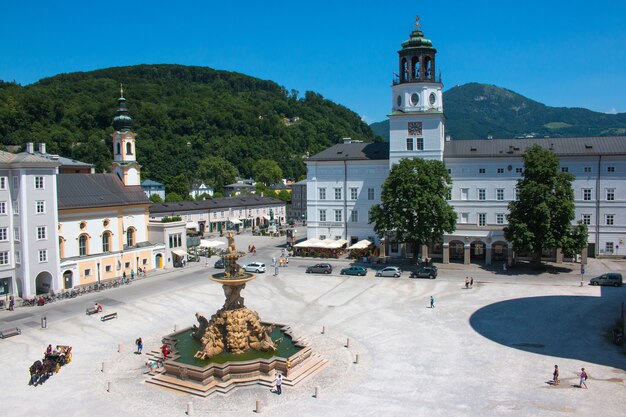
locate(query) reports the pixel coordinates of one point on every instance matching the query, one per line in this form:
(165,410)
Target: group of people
(252,249)
(469,282)
(11,303)
(581,383)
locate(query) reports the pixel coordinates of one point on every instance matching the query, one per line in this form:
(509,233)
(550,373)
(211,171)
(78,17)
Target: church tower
(125,164)
(416,122)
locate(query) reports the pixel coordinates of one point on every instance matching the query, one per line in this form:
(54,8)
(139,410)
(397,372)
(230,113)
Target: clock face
(399,101)
(415,98)
(432,98)
(415,129)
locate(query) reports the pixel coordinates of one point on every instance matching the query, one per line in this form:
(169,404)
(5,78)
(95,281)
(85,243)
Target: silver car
(390,271)
(254,267)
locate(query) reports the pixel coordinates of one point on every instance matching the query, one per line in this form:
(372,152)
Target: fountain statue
(233,328)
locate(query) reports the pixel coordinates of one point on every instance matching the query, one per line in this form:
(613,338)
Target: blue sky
(561,53)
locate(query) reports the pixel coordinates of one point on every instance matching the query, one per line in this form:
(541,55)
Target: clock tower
(125,164)
(416,122)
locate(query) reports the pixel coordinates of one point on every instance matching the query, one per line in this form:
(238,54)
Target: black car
(219,263)
(425,272)
(320,269)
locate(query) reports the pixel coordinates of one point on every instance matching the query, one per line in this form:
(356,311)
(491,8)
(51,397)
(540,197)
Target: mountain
(181,114)
(474,111)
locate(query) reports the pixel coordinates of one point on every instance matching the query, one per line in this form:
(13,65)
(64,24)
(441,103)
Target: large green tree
(216,171)
(267,171)
(541,218)
(414,206)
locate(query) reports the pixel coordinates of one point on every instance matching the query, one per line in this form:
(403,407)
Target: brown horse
(36,371)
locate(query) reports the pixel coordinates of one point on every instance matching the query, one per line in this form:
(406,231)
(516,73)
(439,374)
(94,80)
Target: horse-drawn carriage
(40,371)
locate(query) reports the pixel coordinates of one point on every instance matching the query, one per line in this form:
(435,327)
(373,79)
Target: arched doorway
(477,252)
(158,261)
(43,282)
(68,279)
(457,249)
(499,251)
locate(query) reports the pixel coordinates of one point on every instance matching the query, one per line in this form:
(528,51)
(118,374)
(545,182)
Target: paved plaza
(484,351)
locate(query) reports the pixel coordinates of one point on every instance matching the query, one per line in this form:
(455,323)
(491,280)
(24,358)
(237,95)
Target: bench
(10,332)
(108,317)
(91,310)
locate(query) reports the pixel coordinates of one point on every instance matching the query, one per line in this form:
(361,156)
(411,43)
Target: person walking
(279,383)
(583,378)
(555,375)
(466,282)
(139,344)
(132,274)
(472,282)
(432,301)
(11,303)
(275,270)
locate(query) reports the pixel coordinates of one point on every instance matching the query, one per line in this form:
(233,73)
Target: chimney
(30,147)
(42,148)
(448,138)
(347,140)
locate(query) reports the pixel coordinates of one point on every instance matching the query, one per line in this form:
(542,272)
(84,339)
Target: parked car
(611,278)
(254,267)
(320,269)
(354,270)
(425,272)
(219,263)
(390,271)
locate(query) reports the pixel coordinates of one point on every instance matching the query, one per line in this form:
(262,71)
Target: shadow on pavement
(572,327)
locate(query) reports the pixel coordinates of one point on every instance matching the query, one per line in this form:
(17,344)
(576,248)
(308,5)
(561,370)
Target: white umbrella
(210,243)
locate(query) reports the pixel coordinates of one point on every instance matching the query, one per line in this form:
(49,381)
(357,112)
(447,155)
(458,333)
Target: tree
(542,216)
(178,185)
(172,198)
(267,171)
(414,203)
(155,198)
(216,171)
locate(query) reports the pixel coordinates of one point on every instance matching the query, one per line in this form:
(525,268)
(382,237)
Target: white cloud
(612,111)
(365,119)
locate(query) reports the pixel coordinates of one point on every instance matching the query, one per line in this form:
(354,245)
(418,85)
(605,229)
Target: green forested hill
(181,114)
(474,111)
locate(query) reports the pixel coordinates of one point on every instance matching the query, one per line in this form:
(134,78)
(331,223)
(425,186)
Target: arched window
(83,241)
(129,148)
(416,68)
(405,70)
(428,68)
(106,242)
(118,148)
(130,237)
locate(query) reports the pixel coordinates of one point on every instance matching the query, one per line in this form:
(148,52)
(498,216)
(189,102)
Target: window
(516,194)
(322,237)
(482,194)
(609,247)
(610,194)
(88,272)
(3,207)
(610,169)
(519,170)
(354,216)
(16,207)
(409,144)
(500,170)
(144,261)
(322,215)
(499,218)
(587,219)
(322,193)
(118,148)
(354,192)
(564,169)
(43,255)
(4,257)
(337,215)
(107,268)
(16,234)
(587,194)
(609,219)
(39,183)
(3,183)
(41,232)
(106,242)
(419,144)
(41,207)
(18,257)
(4,234)
(175,240)
(370,193)
(126,265)
(587,170)
(464,217)
(482,219)
(464,193)
(481,170)
(129,148)
(500,194)
(82,245)
(16,183)
(337,193)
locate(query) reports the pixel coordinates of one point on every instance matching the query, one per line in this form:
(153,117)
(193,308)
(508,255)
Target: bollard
(356,358)
(103,369)
(258,408)
(323,329)
(348,342)
(44,322)
(317,392)
(109,386)
(119,348)
(189,411)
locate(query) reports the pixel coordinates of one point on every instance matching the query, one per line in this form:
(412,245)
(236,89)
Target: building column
(446,253)
(424,251)
(466,254)
(583,256)
(509,258)
(488,254)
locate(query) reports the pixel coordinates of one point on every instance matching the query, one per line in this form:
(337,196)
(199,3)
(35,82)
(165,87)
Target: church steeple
(417,58)
(124,156)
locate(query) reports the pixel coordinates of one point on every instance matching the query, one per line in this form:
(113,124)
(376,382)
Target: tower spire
(121,90)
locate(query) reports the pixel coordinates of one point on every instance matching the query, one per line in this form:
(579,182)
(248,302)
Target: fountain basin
(222,279)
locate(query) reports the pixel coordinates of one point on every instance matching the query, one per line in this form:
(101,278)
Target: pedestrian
(273,261)
(132,274)
(288,367)
(504,267)
(124,276)
(583,378)
(466,282)
(432,302)
(472,282)
(11,303)
(165,351)
(555,375)
(139,344)
(98,307)
(275,270)
(279,383)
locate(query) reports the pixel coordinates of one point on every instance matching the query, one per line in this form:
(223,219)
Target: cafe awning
(235,221)
(179,252)
(333,244)
(361,244)
(192,225)
(310,243)
(204,243)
